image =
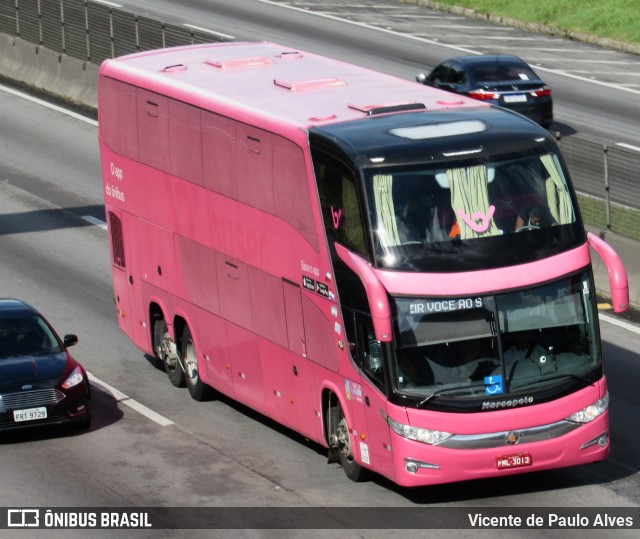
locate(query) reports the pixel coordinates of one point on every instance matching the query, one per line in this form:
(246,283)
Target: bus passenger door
(119,269)
(370,356)
(305,402)
(295,321)
(125,286)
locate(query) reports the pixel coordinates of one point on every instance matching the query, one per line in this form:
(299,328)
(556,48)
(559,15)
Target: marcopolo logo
(511,403)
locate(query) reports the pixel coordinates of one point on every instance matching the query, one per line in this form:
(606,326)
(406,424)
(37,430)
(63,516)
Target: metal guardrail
(94,31)
(609,172)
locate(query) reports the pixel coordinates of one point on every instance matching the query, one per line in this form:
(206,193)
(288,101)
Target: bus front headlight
(426,436)
(592,411)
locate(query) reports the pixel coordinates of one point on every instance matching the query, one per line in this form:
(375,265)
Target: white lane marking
(133,404)
(619,323)
(628,146)
(107,3)
(453,47)
(94,221)
(213,32)
(49,105)
(365,25)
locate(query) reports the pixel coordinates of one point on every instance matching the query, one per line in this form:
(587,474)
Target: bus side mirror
(376,293)
(618,281)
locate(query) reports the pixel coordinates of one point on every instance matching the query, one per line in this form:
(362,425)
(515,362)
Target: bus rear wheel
(197,388)
(351,468)
(165,352)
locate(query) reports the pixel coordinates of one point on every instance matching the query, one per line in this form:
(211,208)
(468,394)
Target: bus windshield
(497,345)
(466,216)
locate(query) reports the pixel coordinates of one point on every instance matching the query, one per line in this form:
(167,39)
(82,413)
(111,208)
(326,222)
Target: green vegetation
(624,221)
(618,20)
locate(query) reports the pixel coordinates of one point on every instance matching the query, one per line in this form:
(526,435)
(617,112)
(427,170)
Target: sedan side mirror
(70,340)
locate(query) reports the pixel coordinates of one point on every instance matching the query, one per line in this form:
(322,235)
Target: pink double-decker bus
(395,272)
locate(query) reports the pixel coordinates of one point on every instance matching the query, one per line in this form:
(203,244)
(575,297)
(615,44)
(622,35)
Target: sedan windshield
(25,336)
(497,345)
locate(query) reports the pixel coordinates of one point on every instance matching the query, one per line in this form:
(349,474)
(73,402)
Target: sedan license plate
(514,461)
(516,98)
(30,414)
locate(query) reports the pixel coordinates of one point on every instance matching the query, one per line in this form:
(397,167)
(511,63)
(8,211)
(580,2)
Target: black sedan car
(500,79)
(40,383)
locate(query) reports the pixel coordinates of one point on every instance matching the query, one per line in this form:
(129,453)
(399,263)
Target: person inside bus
(536,216)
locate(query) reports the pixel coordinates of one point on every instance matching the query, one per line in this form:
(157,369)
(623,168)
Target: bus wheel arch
(339,438)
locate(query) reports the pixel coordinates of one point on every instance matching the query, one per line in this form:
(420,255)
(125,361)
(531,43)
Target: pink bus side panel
(317,328)
(307,398)
(154,247)
(277,375)
(219,149)
(267,306)
(212,339)
(291,198)
(153,129)
(244,357)
(233,284)
(197,275)
(255,180)
(185,142)
(118,106)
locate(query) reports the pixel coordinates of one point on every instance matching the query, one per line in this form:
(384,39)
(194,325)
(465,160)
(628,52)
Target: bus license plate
(30,414)
(514,461)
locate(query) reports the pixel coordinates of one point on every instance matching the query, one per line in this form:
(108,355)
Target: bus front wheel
(344,446)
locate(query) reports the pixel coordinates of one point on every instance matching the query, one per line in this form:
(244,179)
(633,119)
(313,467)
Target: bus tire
(197,388)
(163,353)
(351,468)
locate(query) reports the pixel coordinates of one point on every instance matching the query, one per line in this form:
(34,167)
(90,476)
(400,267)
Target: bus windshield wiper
(445,390)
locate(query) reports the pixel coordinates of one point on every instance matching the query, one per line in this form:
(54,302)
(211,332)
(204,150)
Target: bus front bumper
(418,464)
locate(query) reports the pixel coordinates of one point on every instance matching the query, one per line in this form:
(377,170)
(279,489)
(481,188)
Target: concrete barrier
(44,69)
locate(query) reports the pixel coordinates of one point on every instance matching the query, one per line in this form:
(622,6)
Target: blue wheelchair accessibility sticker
(493,385)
